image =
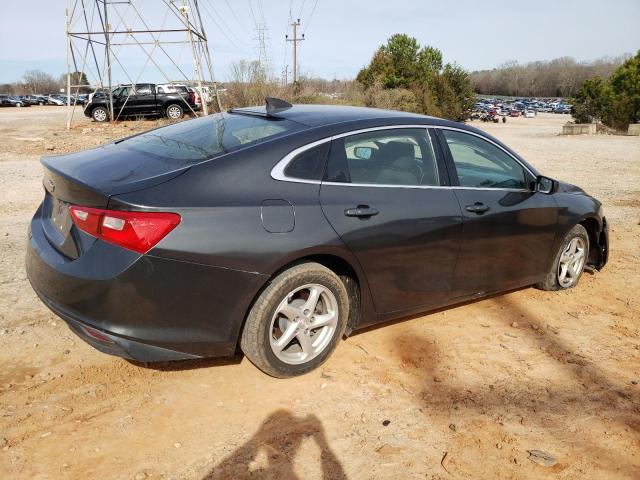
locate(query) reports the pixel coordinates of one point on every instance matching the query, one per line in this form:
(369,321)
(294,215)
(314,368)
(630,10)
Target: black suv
(142,99)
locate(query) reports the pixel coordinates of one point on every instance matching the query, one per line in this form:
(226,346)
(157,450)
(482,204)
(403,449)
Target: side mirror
(363,153)
(545,184)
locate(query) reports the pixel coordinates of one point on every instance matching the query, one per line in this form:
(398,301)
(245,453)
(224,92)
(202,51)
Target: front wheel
(174,111)
(297,321)
(569,262)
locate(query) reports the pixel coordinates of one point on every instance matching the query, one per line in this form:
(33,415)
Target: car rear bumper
(141,307)
(111,344)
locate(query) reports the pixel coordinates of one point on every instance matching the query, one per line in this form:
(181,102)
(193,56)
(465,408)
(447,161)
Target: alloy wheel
(571,262)
(304,324)
(174,112)
(100,115)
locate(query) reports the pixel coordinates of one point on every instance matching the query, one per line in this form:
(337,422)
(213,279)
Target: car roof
(317,115)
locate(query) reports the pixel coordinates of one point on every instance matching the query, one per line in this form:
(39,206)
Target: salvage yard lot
(461,393)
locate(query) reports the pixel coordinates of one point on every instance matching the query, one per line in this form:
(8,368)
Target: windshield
(193,141)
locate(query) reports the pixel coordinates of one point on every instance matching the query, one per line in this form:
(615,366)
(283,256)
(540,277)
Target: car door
(121,98)
(384,194)
(144,100)
(508,228)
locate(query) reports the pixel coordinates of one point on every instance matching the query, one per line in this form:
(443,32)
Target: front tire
(569,262)
(100,114)
(297,321)
(174,111)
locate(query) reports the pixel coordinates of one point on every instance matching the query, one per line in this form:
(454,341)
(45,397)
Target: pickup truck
(142,99)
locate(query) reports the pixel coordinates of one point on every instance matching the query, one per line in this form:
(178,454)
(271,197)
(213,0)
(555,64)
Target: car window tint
(481,164)
(208,137)
(386,157)
(309,165)
(143,90)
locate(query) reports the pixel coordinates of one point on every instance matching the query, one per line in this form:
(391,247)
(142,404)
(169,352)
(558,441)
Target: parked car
(529,113)
(26,100)
(55,101)
(282,229)
(514,113)
(12,101)
(35,99)
(143,99)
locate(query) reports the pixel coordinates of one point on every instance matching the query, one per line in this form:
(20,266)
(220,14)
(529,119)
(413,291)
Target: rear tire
(297,321)
(100,114)
(174,111)
(570,261)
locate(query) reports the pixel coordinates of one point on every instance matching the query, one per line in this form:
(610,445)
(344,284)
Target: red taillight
(137,231)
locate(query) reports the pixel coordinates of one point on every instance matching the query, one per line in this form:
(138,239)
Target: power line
(233,12)
(311,15)
(301,8)
(242,50)
(221,18)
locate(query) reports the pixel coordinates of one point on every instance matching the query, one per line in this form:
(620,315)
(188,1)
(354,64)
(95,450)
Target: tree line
(614,101)
(39,82)
(561,77)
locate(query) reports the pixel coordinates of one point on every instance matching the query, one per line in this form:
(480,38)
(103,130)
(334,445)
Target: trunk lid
(89,178)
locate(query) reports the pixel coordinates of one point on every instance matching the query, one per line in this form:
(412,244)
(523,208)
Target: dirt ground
(462,393)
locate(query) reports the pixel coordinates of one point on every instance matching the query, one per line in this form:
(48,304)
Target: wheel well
(592,227)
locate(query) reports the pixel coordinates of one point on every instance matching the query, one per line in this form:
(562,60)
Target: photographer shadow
(270,452)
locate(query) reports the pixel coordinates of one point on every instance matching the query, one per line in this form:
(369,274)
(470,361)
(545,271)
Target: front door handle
(477,207)
(362,211)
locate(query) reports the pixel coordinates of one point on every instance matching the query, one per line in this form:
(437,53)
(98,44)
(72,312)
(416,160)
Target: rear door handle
(477,207)
(362,211)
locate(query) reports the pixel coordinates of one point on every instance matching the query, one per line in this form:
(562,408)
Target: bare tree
(560,77)
(37,81)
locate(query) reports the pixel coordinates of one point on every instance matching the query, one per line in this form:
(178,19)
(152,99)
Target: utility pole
(295,41)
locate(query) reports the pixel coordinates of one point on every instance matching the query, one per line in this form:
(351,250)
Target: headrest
(394,150)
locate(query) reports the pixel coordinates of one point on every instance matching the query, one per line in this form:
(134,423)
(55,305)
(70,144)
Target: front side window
(401,156)
(480,164)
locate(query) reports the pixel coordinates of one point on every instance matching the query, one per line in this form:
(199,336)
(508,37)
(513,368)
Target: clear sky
(341,35)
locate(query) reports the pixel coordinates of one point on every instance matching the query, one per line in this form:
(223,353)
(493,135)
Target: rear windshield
(193,141)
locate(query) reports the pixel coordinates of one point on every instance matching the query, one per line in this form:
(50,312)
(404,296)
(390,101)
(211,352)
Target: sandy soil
(463,393)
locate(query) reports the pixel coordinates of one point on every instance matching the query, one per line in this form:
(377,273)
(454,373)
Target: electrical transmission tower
(295,41)
(262,41)
(120,41)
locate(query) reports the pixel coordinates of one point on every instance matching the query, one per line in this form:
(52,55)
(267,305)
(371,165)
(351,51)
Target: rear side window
(143,90)
(480,164)
(310,164)
(207,137)
(390,157)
